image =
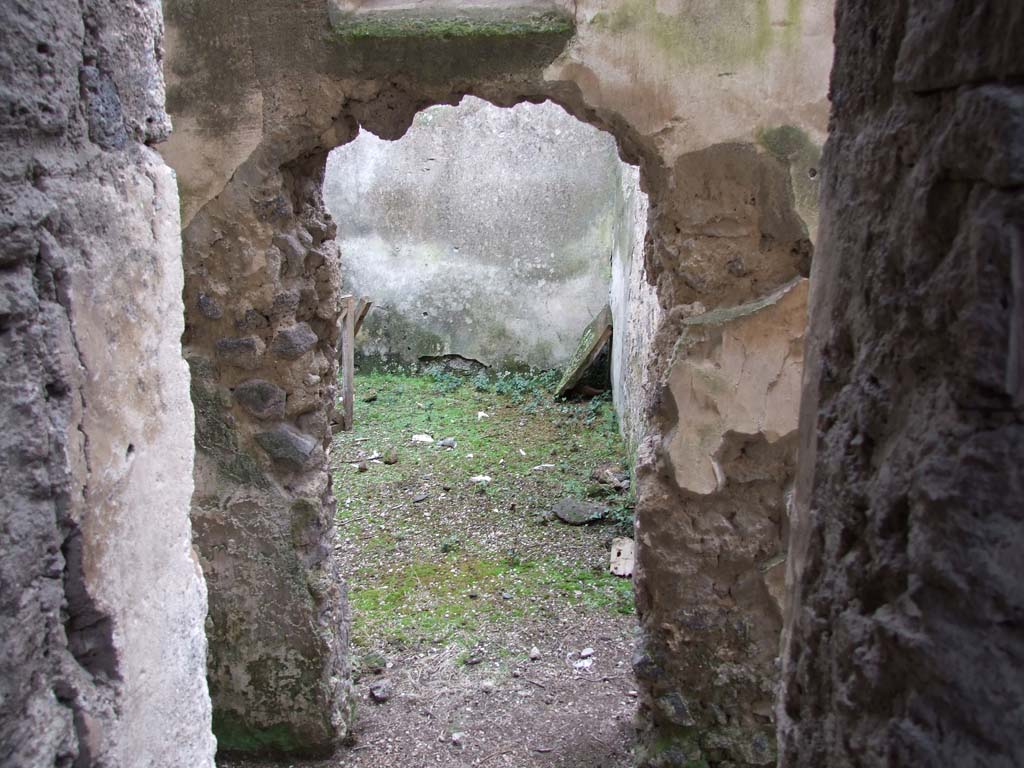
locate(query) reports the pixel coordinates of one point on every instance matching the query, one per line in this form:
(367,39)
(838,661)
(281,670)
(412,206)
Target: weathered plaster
(636,313)
(484,232)
(710,532)
(102,651)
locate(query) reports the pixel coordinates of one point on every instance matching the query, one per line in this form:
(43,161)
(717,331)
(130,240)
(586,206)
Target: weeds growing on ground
(472,555)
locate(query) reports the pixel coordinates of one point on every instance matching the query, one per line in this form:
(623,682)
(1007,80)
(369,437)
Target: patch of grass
(522,418)
(413,566)
(454,598)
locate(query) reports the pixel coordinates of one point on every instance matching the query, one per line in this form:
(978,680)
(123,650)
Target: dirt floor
(456,581)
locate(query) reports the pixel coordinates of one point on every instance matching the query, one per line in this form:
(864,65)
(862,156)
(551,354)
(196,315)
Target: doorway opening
(479,515)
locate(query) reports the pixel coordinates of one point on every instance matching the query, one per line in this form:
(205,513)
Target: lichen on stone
(461,25)
(733,35)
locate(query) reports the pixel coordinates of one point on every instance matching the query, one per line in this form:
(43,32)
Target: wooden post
(348,361)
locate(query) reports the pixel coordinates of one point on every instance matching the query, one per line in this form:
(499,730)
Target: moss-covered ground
(433,558)
(453,583)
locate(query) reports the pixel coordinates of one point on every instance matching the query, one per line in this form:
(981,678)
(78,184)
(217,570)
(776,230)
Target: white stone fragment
(422,439)
(622,557)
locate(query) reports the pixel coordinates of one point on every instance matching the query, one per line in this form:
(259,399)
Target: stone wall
(262,305)
(102,652)
(721,105)
(904,638)
(484,233)
(714,479)
(636,313)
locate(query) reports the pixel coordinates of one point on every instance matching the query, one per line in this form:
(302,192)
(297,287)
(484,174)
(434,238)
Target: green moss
(426,601)
(406,340)
(444,46)
(669,746)
(572,375)
(215,435)
(425,598)
(388,26)
(235,735)
(791,32)
(792,146)
(785,142)
(304,514)
(734,34)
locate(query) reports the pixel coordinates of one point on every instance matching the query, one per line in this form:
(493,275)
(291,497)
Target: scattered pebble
(362,466)
(487,686)
(534,653)
(448,442)
(586,653)
(480,479)
(420,497)
(422,439)
(458,738)
(481,415)
(542,467)
(382,691)
(583,664)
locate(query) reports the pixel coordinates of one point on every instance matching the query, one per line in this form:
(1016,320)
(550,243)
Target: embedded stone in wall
(245,352)
(261,398)
(288,447)
(263,509)
(208,307)
(292,343)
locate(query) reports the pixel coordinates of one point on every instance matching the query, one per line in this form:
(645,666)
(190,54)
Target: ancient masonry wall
(907,559)
(721,111)
(636,313)
(716,465)
(262,287)
(102,652)
(484,233)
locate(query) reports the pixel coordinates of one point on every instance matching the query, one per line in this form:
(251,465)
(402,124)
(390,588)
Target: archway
(726,252)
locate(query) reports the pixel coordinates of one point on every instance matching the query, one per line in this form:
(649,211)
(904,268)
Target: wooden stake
(348,362)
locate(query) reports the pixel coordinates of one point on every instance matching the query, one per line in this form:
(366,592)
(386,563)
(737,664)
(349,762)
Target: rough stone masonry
(102,651)
(903,610)
(904,641)
(728,171)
